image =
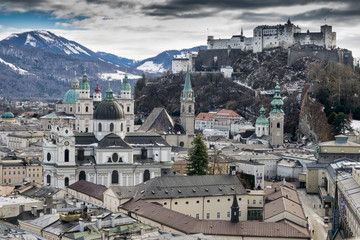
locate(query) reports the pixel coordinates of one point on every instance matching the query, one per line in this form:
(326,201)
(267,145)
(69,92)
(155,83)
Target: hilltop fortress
(266,37)
(221,54)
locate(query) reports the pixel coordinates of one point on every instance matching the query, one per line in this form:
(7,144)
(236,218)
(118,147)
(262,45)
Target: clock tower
(277,119)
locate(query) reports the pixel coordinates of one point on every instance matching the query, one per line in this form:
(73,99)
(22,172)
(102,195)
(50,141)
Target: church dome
(108,109)
(70,96)
(7,114)
(262,120)
(84,85)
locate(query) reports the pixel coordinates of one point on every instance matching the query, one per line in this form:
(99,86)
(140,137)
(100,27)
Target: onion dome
(125,86)
(108,109)
(97,89)
(277,103)
(75,83)
(84,85)
(262,120)
(7,114)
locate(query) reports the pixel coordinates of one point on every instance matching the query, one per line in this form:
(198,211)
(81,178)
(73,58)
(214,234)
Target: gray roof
(190,186)
(40,192)
(113,141)
(124,192)
(44,220)
(60,227)
(158,121)
(144,139)
(85,138)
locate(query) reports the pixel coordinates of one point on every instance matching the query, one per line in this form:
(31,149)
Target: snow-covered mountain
(48,41)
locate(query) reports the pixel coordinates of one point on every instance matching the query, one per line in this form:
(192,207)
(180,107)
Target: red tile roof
(226,114)
(190,225)
(89,188)
(204,116)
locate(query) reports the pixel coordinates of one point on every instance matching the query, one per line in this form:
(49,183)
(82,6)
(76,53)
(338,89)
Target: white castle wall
(265,37)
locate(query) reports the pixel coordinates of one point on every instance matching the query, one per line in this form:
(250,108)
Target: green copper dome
(125,86)
(71,95)
(7,114)
(262,120)
(277,103)
(108,109)
(84,85)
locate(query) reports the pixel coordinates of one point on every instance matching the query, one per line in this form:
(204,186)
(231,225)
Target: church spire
(336,215)
(277,103)
(187,85)
(235,211)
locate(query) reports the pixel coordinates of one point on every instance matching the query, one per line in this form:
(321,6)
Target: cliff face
(312,119)
(253,72)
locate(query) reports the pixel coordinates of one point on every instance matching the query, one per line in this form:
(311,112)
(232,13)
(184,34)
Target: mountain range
(46,63)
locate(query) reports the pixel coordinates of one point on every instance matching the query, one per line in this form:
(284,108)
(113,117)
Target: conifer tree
(198,162)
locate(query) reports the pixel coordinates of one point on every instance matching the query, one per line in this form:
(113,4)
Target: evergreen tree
(198,162)
(341,123)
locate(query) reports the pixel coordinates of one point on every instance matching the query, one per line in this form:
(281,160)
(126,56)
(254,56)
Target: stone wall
(338,55)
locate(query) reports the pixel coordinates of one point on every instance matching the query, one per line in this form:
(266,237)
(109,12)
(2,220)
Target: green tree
(198,162)
(140,85)
(341,123)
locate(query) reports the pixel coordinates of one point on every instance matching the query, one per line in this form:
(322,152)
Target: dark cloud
(114,4)
(181,8)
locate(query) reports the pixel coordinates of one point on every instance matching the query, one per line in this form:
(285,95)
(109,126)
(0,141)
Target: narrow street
(315,215)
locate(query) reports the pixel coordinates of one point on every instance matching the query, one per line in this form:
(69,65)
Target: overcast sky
(139,29)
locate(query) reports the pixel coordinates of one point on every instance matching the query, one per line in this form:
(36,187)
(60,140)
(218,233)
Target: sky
(138,29)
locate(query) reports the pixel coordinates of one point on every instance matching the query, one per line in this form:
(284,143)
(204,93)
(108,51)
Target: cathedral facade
(101,146)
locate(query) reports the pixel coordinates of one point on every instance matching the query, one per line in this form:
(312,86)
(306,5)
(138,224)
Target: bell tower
(277,119)
(187,108)
(84,107)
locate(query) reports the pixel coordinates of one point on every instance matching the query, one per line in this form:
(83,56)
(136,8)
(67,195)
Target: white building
(253,168)
(203,121)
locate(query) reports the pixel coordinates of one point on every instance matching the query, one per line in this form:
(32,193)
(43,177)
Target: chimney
(34,211)
(41,214)
(6,231)
(99,222)
(141,230)
(81,224)
(112,220)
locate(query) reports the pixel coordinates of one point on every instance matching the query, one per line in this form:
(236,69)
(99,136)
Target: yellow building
(202,197)
(329,151)
(34,171)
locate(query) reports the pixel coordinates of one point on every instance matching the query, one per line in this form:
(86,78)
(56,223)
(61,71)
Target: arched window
(66,155)
(121,127)
(128,109)
(86,109)
(66,181)
(111,127)
(115,157)
(48,156)
(146,175)
(190,109)
(71,109)
(82,176)
(48,179)
(183,108)
(278,125)
(99,127)
(115,177)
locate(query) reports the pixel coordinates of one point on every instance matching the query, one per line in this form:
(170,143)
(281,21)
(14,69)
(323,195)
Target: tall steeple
(84,107)
(336,216)
(75,83)
(127,101)
(187,108)
(235,211)
(277,119)
(97,94)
